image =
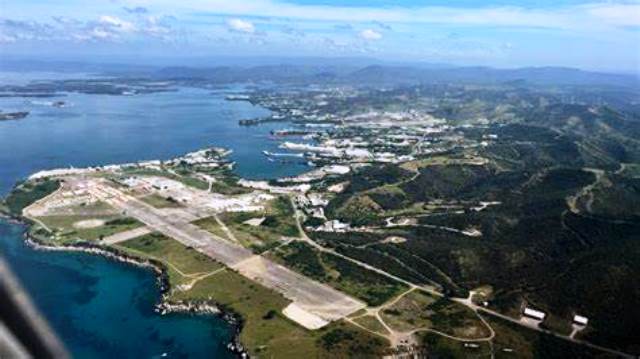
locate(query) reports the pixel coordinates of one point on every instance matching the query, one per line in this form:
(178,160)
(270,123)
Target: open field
(210,224)
(443,160)
(372,323)
(257,238)
(90,228)
(418,310)
(266,331)
(411,312)
(183,260)
(274,224)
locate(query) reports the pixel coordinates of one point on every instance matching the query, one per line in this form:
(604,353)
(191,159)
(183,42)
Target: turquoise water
(103,309)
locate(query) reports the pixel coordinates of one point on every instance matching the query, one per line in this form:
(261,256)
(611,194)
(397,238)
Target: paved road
(487,311)
(464,301)
(314,297)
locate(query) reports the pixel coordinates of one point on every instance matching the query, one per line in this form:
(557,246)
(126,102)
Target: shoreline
(165,306)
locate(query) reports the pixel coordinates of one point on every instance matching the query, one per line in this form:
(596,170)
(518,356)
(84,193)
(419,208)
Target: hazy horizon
(588,35)
(98,65)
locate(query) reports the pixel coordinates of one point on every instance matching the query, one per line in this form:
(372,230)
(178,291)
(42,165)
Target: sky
(590,35)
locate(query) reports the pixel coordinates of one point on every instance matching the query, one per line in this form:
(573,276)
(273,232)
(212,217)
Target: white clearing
(394,239)
(303,317)
(255,222)
(89,223)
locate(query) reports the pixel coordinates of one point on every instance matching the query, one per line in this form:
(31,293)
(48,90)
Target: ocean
(100,308)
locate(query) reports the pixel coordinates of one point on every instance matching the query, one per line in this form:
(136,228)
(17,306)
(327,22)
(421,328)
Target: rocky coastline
(165,306)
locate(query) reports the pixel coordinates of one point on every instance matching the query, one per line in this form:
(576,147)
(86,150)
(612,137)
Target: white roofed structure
(535,314)
(579,319)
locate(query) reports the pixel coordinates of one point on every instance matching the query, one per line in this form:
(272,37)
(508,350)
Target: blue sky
(589,35)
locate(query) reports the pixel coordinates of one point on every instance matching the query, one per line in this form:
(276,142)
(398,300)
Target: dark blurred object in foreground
(23,332)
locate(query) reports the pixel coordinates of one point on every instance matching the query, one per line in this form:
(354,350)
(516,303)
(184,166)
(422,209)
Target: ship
(272,154)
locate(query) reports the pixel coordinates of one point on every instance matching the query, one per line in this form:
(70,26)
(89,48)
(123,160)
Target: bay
(100,308)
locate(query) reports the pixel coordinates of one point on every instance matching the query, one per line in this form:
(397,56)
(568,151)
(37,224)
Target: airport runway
(322,302)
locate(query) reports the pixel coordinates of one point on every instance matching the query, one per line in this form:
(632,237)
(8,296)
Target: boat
(272,154)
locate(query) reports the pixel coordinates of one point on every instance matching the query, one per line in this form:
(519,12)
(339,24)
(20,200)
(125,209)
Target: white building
(333,226)
(535,314)
(580,320)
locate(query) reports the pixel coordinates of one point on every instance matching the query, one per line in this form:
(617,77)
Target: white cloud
(101,34)
(116,24)
(156,26)
(101,28)
(6,39)
(17,30)
(621,15)
(370,35)
(563,17)
(239,25)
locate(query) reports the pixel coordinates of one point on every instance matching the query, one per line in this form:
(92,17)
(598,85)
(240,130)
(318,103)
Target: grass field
(257,238)
(266,332)
(65,227)
(211,225)
(422,310)
(372,323)
(442,160)
(183,263)
(278,222)
(410,312)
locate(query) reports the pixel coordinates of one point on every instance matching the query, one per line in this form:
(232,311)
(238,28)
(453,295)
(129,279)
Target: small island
(8,116)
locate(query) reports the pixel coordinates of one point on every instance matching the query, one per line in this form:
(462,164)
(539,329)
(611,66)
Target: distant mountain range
(339,71)
(386,75)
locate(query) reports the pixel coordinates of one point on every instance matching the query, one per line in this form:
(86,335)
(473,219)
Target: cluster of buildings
(381,138)
(347,125)
(213,157)
(195,198)
(317,174)
(73,197)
